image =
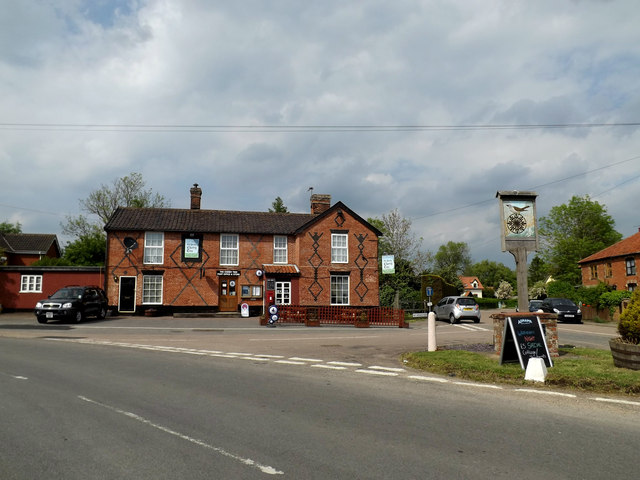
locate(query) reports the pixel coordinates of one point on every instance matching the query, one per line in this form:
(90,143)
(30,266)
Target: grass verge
(583,369)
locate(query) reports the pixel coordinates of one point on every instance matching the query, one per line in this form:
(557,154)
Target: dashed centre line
(319,363)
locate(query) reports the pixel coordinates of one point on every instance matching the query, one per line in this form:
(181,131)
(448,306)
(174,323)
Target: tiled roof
(627,246)
(288,269)
(467,281)
(27,242)
(206,221)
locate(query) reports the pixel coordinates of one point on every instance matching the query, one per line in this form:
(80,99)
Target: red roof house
(615,265)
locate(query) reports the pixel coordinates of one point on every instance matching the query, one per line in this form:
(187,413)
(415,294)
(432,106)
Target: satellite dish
(259,273)
(130,244)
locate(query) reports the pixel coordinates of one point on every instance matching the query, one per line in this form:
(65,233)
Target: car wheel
(476,320)
(452,319)
(102,313)
(79,317)
(42,319)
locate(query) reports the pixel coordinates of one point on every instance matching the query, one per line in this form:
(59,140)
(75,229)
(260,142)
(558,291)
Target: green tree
(538,270)
(572,232)
(492,273)
(451,260)
(89,246)
(127,191)
(6,227)
(278,206)
(86,250)
(399,241)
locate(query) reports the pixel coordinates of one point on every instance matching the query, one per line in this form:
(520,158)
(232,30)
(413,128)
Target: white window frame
(229,252)
(339,248)
(280,252)
(154,248)
(152,287)
(340,282)
(283,293)
(31,284)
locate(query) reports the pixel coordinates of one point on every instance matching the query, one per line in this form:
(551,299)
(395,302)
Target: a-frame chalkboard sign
(522,339)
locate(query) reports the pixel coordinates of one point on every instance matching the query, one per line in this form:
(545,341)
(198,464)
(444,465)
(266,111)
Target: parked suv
(566,310)
(72,303)
(455,309)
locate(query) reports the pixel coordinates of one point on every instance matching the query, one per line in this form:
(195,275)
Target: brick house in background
(615,265)
(22,284)
(27,248)
(472,286)
(193,260)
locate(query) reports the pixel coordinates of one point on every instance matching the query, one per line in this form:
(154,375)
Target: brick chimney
(196,196)
(320,203)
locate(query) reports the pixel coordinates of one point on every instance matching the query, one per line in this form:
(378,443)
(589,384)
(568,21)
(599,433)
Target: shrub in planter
(626,349)
(629,325)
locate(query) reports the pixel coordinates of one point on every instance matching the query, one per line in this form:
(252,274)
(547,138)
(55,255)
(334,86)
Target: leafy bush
(629,325)
(561,289)
(612,300)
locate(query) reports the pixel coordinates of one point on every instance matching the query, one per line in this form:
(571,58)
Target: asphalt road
(341,343)
(76,405)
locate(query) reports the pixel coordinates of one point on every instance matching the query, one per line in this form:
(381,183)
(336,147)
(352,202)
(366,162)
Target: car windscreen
(466,301)
(67,293)
(563,302)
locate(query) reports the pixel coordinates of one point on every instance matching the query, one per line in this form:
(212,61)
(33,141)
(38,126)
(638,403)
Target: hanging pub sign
(388,264)
(518,220)
(523,338)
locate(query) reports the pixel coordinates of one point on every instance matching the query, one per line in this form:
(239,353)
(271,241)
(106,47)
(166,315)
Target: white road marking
(479,385)
(615,400)
(346,364)
(377,372)
(290,362)
(246,461)
(472,328)
(297,339)
(545,392)
(330,367)
(298,359)
(388,369)
(428,379)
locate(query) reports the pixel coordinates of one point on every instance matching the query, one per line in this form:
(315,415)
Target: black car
(565,309)
(535,305)
(73,303)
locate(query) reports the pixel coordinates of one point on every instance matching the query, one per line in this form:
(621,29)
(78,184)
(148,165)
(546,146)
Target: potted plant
(626,348)
(362,320)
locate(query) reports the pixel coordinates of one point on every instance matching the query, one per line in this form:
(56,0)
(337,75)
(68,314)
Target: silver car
(455,309)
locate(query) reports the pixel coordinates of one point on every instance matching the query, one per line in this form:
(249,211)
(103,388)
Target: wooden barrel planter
(625,355)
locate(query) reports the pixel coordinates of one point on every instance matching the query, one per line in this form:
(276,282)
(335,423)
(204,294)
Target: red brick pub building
(191,260)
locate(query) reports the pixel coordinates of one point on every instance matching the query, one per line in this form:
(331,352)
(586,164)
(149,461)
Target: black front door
(127,294)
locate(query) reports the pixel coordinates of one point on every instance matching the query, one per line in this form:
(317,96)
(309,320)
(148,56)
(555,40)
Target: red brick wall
(316,256)
(619,275)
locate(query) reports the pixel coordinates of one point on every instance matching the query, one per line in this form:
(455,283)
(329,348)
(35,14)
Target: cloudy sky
(425,106)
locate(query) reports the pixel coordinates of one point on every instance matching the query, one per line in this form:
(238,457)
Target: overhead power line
(536,187)
(206,128)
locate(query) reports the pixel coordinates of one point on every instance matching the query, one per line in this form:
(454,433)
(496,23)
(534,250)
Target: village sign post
(519,234)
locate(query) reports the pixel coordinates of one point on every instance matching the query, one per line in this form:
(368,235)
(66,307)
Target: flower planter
(361,324)
(312,322)
(625,355)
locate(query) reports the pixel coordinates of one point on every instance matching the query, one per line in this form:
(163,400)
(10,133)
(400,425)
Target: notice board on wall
(523,338)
